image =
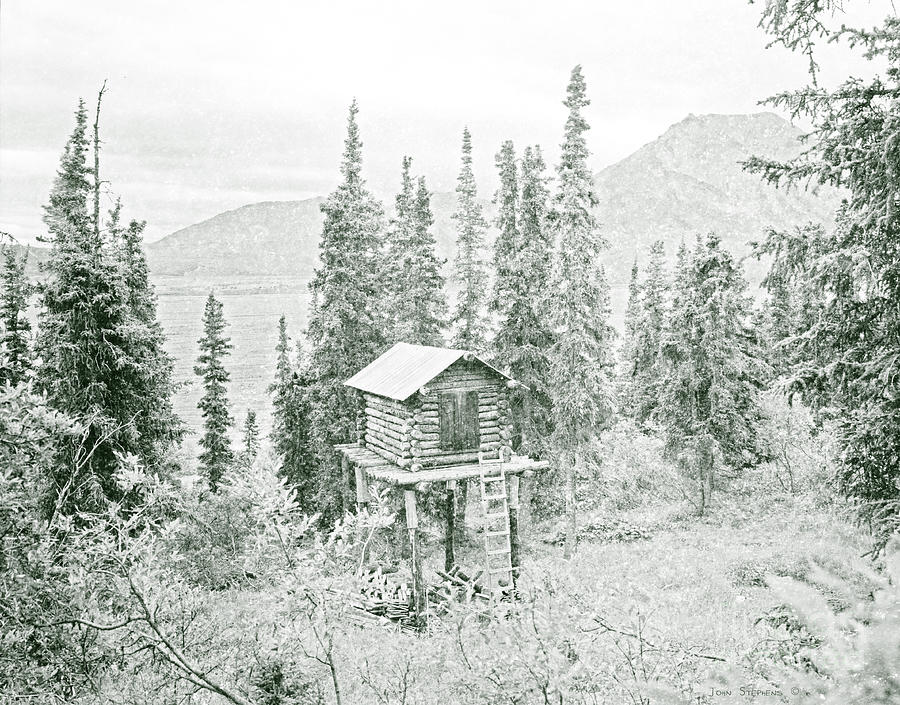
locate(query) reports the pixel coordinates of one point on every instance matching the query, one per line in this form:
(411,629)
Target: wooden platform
(377,468)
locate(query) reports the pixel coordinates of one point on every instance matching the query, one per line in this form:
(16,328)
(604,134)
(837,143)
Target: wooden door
(459,421)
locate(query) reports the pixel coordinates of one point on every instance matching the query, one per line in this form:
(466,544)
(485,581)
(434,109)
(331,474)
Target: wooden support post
(450,515)
(415,559)
(362,503)
(345,483)
(362,487)
(514,527)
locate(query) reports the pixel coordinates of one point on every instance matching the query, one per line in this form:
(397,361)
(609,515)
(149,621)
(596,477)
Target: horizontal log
(384,443)
(373,426)
(488,415)
(427,418)
(462,385)
(491,446)
(458,459)
(398,411)
(428,428)
(390,404)
(387,454)
(488,437)
(419,436)
(380,413)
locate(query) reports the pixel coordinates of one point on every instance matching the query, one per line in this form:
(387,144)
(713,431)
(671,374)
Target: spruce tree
(508,242)
(345,330)
(580,359)
(645,322)
(217,455)
(291,431)
(710,372)
(16,331)
(522,258)
(469,320)
(250,439)
(152,386)
(415,289)
(98,360)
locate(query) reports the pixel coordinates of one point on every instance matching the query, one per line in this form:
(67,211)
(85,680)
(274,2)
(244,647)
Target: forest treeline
(99,570)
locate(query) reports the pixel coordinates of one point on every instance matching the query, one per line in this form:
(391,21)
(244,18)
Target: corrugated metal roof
(403,369)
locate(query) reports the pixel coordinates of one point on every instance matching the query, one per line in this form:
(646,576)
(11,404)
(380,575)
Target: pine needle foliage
(848,353)
(346,327)
(217,456)
(414,301)
(580,358)
(100,354)
(523,253)
(469,321)
(16,331)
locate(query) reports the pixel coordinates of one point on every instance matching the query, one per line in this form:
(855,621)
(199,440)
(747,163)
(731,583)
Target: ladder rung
(492,478)
(496,533)
(498,552)
(500,570)
(494,497)
(496,516)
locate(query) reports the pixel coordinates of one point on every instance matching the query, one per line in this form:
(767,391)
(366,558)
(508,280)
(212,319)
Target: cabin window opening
(459,421)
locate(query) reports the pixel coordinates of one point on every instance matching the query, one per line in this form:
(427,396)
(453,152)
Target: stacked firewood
(383,598)
(457,586)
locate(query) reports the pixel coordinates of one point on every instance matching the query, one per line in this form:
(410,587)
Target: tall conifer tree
(710,372)
(291,436)
(217,455)
(580,358)
(16,332)
(99,361)
(415,289)
(469,320)
(523,255)
(644,326)
(250,439)
(345,331)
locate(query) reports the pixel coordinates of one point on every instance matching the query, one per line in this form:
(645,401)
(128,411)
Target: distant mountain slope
(274,237)
(689,181)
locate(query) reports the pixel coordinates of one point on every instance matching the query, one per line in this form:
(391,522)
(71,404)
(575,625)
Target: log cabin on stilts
(439,415)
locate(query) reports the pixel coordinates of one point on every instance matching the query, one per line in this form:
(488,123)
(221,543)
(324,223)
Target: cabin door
(459,421)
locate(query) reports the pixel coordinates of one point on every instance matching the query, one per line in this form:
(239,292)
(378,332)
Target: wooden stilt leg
(362,488)
(345,483)
(450,516)
(415,559)
(362,503)
(514,526)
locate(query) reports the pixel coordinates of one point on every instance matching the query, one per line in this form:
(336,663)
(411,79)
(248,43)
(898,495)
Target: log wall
(408,433)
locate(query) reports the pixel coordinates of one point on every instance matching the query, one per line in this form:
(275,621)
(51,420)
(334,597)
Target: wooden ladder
(497,550)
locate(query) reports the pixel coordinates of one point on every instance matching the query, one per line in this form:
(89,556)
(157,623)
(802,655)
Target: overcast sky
(213,105)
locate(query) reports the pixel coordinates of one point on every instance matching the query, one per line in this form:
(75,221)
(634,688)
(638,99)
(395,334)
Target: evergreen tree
(98,362)
(16,333)
(415,300)
(508,242)
(469,320)
(291,433)
(250,439)
(217,455)
(710,373)
(580,357)
(645,322)
(522,261)
(345,331)
(849,352)
(156,426)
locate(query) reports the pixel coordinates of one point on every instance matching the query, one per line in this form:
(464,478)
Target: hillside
(689,180)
